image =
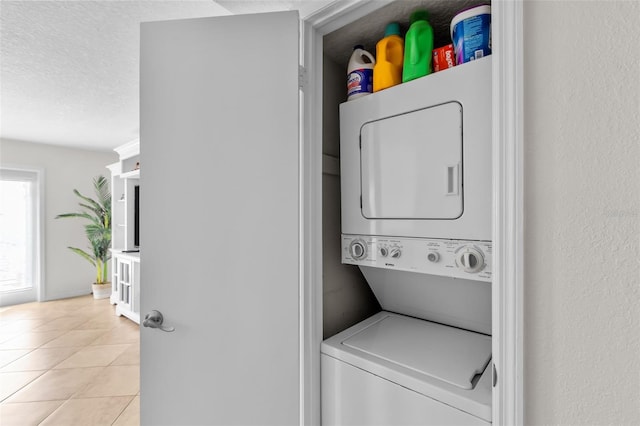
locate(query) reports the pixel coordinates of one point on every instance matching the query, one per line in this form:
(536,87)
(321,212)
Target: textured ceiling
(69,69)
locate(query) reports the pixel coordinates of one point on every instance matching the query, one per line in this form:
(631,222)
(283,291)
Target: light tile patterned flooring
(68,362)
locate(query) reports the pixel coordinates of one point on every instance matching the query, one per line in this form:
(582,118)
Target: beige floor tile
(33,313)
(125,334)
(101,323)
(88,412)
(26,413)
(40,359)
(62,323)
(131,356)
(22,325)
(12,382)
(80,301)
(13,314)
(117,380)
(93,356)
(7,356)
(31,340)
(131,415)
(100,309)
(74,338)
(56,385)
(4,336)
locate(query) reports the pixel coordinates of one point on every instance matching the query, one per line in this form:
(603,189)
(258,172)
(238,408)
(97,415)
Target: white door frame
(39,237)
(507,317)
(508,247)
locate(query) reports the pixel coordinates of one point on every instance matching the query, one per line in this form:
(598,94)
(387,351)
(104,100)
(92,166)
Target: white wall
(346,297)
(582,207)
(66,274)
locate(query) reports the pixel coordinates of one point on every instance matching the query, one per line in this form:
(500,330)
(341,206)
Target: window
(20,238)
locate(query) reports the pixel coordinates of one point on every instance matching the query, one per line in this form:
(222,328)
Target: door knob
(154,319)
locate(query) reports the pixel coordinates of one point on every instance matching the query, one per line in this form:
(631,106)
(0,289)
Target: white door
(20,236)
(219,220)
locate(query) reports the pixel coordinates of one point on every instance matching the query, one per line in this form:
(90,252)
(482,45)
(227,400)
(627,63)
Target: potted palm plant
(98,232)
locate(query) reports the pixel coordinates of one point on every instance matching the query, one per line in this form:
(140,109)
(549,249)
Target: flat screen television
(136,218)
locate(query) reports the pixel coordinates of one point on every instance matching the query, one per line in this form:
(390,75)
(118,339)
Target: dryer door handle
(453,180)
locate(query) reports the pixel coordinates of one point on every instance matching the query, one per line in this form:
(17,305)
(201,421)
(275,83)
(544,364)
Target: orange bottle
(389,57)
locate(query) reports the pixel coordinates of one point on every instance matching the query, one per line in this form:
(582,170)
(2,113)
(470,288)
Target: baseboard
(66,294)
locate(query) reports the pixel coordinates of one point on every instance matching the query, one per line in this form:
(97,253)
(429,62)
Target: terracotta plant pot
(101,291)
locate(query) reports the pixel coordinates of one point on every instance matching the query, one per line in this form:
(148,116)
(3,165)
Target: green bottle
(418,47)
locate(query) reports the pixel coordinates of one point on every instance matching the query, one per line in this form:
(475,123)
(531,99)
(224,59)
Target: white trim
(129,149)
(508,395)
(39,237)
(340,13)
(311,197)
(313,27)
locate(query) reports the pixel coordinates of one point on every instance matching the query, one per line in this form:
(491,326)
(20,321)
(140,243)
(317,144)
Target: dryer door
(411,165)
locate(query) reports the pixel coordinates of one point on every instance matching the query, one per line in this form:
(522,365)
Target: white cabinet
(125,262)
(126,279)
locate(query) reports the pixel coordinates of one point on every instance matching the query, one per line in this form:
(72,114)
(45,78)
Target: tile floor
(68,362)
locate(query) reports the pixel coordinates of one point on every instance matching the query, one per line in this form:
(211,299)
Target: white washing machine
(416,220)
(397,370)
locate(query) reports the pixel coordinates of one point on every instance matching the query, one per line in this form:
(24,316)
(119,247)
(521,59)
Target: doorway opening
(20,236)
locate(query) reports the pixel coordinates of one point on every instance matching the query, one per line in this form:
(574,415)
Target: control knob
(470,259)
(395,252)
(358,249)
(433,257)
(384,252)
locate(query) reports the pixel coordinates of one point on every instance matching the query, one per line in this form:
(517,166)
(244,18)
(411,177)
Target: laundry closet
(313,264)
(406,226)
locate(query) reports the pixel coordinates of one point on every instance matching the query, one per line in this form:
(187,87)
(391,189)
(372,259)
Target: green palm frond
(94,204)
(82,215)
(98,230)
(102,191)
(84,254)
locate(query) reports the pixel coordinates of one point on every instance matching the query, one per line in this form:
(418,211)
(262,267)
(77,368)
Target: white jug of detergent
(360,73)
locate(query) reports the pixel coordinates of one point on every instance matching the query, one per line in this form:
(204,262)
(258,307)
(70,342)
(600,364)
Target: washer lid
(446,353)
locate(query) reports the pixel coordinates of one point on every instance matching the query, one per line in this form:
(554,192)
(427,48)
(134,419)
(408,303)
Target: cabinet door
(219,220)
(124,283)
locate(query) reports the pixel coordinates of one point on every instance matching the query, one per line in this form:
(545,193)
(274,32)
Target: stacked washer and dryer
(416,219)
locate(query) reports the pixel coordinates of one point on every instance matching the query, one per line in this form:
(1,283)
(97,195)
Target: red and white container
(443,58)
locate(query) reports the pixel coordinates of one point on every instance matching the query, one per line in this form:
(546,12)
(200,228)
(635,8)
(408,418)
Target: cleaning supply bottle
(418,47)
(389,51)
(360,73)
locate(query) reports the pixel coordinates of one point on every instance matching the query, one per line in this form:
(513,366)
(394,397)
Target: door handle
(154,319)
(453,180)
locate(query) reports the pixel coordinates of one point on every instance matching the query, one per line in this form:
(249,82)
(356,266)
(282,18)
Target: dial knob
(396,252)
(470,259)
(433,257)
(384,252)
(358,249)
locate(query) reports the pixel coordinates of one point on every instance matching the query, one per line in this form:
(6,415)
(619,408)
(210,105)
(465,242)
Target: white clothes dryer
(415,159)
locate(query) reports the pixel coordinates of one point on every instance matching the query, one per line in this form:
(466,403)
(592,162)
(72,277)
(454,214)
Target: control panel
(453,258)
